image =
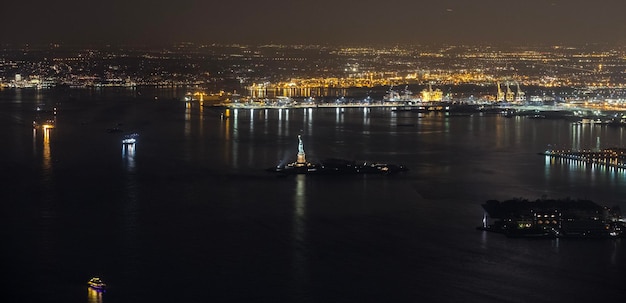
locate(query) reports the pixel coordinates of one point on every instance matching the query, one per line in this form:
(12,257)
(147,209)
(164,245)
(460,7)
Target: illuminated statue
(301,156)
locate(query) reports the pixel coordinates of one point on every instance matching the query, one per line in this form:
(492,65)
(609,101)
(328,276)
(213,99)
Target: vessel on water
(130,139)
(549,218)
(97,284)
(45,118)
(334,166)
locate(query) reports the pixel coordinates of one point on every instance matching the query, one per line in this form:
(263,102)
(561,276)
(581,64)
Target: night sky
(314,22)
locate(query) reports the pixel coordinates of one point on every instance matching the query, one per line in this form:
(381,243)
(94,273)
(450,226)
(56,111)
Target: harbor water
(189,214)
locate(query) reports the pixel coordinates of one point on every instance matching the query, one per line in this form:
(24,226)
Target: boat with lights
(97,284)
(130,139)
(334,166)
(45,119)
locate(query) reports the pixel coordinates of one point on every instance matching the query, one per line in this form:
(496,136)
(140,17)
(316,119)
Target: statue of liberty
(301,156)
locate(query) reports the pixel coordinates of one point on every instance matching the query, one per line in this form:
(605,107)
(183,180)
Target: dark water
(189,215)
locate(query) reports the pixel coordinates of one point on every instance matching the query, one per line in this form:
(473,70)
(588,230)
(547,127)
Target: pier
(612,157)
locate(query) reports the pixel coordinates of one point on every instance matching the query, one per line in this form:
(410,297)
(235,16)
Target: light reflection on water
(47,157)
(266,122)
(251,120)
(128,154)
(339,115)
(366,117)
(34,142)
(130,210)
(94,296)
(201,118)
(235,139)
(299,234)
(187,119)
(616,253)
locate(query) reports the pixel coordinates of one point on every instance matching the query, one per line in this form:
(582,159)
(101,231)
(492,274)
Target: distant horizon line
(58,44)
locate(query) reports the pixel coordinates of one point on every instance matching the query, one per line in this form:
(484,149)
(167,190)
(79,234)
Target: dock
(611,157)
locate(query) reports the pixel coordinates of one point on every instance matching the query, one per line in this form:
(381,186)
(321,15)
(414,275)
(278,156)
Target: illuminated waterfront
(188,214)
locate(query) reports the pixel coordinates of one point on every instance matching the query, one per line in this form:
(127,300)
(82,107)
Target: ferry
(44,123)
(97,284)
(45,118)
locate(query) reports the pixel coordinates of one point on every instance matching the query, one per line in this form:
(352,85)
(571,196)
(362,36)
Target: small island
(334,166)
(550,218)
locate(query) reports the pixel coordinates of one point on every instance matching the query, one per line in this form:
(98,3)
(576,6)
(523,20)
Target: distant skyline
(315,22)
